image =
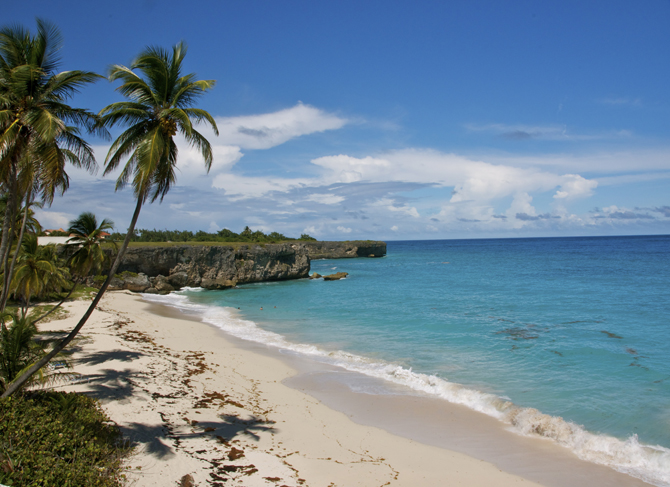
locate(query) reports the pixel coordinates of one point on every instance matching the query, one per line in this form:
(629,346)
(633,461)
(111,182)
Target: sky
(393,120)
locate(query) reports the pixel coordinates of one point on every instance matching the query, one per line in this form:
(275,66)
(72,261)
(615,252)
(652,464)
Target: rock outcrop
(335,277)
(161,269)
(345,250)
(216,267)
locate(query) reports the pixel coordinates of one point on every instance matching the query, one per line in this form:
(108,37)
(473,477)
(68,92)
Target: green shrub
(58,439)
(124,275)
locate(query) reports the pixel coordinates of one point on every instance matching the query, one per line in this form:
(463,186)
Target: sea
(564,338)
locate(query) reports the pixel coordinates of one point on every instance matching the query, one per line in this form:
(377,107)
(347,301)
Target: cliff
(162,269)
(218,267)
(345,250)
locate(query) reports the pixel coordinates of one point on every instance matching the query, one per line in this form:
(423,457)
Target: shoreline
(199,402)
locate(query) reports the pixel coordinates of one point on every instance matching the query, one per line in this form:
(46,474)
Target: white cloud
(343,229)
(53,219)
(325,199)
(241,187)
(575,186)
(213,227)
(594,162)
(390,205)
(348,169)
(394,228)
(272,129)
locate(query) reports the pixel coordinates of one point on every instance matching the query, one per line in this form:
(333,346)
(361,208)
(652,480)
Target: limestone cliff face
(345,250)
(162,269)
(218,267)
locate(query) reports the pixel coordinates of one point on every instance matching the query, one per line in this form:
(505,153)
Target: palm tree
(87,237)
(159,106)
(38,271)
(39,131)
(88,255)
(19,350)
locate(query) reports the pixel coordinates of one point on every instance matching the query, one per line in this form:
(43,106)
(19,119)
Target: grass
(234,245)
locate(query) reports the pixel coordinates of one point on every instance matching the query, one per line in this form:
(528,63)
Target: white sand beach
(194,403)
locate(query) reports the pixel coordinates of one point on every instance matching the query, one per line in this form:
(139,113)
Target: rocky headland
(161,269)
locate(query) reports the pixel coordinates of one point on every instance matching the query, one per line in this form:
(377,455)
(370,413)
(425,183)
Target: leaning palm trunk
(5,290)
(20,381)
(69,293)
(8,232)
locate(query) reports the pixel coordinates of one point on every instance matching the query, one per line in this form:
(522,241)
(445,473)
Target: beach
(197,403)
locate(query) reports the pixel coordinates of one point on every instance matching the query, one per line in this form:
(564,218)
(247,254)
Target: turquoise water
(568,338)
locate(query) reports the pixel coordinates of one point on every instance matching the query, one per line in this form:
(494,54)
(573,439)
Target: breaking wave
(646,462)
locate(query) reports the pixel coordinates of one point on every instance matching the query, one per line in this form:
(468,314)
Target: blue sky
(396,120)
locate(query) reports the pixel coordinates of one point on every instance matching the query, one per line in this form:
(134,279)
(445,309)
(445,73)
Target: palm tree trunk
(5,290)
(74,285)
(6,276)
(17,383)
(8,228)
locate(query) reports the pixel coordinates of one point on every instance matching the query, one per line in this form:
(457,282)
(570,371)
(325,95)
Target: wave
(646,462)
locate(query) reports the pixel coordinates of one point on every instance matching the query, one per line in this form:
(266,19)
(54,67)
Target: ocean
(565,338)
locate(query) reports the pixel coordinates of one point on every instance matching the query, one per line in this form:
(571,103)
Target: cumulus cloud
(575,186)
(348,169)
(272,129)
(53,219)
(343,229)
(325,199)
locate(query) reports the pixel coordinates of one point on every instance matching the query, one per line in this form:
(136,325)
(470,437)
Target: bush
(58,439)
(123,275)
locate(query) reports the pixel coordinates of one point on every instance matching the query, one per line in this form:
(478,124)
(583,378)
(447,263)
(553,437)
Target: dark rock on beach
(139,283)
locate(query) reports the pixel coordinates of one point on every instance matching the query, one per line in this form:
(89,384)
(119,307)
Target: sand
(195,403)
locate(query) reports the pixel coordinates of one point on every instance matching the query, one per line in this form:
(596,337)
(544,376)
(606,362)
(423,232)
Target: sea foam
(646,462)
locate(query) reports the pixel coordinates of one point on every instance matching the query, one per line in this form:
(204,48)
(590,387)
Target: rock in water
(335,277)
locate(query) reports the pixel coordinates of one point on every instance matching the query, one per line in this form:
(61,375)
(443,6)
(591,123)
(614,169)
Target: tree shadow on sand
(160,440)
(110,384)
(104,356)
(154,439)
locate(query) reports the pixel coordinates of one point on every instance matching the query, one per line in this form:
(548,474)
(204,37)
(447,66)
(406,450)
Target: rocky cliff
(345,250)
(218,267)
(163,269)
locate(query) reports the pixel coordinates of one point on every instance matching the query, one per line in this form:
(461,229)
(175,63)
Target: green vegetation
(225,235)
(20,348)
(159,106)
(40,131)
(57,439)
